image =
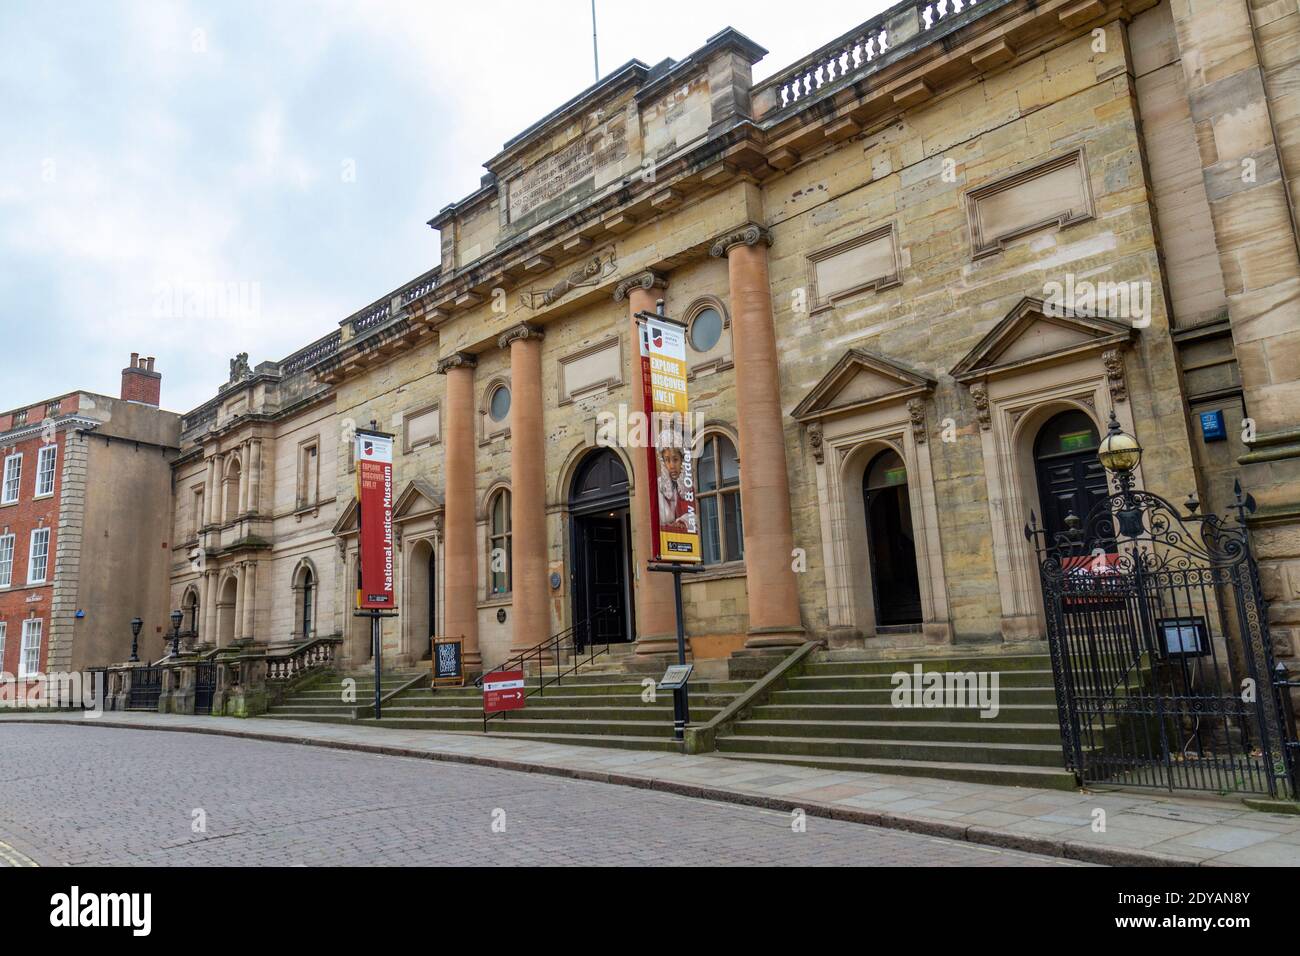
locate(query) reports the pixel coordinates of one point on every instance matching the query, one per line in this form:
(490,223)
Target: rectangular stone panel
(595,367)
(866,262)
(1054,193)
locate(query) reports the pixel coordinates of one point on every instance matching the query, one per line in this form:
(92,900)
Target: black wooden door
(602,578)
(1069,484)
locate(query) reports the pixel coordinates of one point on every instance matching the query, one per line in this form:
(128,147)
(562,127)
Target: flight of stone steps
(324,699)
(598,708)
(838,715)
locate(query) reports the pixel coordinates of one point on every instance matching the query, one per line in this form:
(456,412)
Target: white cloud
(163,144)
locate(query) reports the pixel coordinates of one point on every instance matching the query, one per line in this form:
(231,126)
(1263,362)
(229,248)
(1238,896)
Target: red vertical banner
(375,585)
(674,515)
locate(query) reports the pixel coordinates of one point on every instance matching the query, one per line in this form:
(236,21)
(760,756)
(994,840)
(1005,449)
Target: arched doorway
(421,600)
(226,611)
(891,543)
(602,558)
(1070,478)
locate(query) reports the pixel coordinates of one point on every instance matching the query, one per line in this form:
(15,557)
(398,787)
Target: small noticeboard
(676,676)
(448,662)
(503,690)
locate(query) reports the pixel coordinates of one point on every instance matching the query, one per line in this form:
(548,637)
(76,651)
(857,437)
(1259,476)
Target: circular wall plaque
(501,615)
(555,580)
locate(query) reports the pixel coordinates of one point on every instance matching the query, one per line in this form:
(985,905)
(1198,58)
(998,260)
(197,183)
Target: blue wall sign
(1212,427)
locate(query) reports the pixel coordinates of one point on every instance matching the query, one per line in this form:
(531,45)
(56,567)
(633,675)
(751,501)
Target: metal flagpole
(595,51)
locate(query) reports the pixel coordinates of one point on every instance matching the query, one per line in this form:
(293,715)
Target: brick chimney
(140,383)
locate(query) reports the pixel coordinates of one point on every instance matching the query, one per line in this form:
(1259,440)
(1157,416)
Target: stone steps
(1007,713)
(841,714)
(1022,662)
(966,752)
(827,679)
(1001,775)
(913,730)
(881,697)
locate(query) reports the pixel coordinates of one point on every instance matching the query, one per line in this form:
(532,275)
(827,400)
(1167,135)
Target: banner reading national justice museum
(674,518)
(375,521)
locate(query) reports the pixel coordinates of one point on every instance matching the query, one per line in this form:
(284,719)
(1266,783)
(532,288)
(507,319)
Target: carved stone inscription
(570,167)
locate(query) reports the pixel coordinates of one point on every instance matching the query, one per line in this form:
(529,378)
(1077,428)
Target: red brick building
(85,502)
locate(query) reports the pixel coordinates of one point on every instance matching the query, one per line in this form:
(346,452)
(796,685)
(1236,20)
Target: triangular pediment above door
(858,380)
(417,498)
(347,521)
(1034,333)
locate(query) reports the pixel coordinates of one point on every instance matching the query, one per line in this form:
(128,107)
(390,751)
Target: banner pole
(376,637)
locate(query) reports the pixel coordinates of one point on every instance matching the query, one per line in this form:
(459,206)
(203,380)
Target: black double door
(600,578)
(1071,480)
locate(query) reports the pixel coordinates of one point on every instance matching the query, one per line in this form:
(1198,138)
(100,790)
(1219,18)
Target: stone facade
(927,239)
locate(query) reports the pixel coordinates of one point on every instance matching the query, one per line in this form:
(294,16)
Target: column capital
(647,279)
(455,360)
(751,233)
(520,332)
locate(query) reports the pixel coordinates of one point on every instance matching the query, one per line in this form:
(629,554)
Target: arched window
(190,612)
(308,596)
(718,495)
(304,588)
(234,473)
(499,544)
(891,544)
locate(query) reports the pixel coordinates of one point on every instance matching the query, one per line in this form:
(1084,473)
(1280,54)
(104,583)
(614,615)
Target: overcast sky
(282,157)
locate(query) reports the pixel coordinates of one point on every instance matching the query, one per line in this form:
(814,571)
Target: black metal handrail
(583,653)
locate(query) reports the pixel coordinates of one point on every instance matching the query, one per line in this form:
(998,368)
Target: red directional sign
(503,690)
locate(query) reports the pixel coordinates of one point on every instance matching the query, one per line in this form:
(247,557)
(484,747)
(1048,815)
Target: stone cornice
(518,333)
(751,233)
(648,279)
(455,360)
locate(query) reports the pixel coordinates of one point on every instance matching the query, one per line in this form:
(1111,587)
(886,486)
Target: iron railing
(146,687)
(580,641)
(1161,653)
(205,686)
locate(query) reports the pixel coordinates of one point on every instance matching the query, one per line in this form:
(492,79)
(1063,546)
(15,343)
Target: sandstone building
(920,268)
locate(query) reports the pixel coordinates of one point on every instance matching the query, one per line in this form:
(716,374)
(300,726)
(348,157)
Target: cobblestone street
(125,797)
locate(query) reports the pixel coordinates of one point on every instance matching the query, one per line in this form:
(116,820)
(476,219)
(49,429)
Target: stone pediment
(417,500)
(347,521)
(1034,333)
(861,379)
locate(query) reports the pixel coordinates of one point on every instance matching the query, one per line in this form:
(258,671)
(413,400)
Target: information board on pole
(674,514)
(375,578)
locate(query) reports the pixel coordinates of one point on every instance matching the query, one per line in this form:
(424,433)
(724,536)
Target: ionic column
(213,504)
(460,549)
(244,468)
(210,598)
(255,475)
(250,598)
(529,593)
(656,614)
(240,581)
(764,483)
(209,492)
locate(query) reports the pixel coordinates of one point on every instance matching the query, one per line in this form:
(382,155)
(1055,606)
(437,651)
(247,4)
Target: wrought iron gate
(1160,648)
(146,687)
(205,686)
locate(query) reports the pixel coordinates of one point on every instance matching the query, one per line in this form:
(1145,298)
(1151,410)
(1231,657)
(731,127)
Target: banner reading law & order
(674,517)
(375,589)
